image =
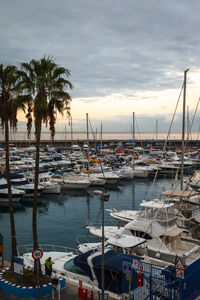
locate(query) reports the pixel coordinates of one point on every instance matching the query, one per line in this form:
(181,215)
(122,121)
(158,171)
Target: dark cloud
(143,123)
(110,46)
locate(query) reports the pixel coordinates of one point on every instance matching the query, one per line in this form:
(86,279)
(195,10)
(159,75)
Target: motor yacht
(49,187)
(156,222)
(16,194)
(69,182)
(85,267)
(20,182)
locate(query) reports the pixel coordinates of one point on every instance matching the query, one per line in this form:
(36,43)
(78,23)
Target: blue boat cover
(81,262)
(14,175)
(113,261)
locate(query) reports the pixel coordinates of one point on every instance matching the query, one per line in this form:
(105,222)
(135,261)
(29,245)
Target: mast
(183,127)
(71,132)
(87,143)
(96,140)
(188,124)
(156,130)
(101,139)
(133,127)
(65,135)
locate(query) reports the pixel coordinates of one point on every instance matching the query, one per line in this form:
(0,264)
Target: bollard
(82,293)
(91,294)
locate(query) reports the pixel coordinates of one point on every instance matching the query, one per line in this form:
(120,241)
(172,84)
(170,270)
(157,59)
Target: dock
(58,143)
(70,292)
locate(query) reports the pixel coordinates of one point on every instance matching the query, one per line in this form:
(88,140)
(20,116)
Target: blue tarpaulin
(113,262)
(81,262)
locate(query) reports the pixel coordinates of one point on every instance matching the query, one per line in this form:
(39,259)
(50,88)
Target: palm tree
(46,83)
(9,105)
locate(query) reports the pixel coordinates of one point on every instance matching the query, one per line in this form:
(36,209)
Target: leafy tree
(45,82)
(9,106)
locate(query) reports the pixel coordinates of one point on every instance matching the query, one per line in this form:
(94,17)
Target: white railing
(21,249)
(82,239)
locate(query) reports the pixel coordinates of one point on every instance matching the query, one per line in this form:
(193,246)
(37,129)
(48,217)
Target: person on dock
(48,266)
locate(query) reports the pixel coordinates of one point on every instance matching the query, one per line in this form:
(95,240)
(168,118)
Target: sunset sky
(124,56)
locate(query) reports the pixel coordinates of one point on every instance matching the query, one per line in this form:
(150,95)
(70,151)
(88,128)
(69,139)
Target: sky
(124,56)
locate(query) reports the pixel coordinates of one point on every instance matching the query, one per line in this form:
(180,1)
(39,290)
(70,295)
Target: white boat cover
(125,241)
(174,232)
(156,204)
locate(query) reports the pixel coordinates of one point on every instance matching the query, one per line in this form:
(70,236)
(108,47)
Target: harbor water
(62,136)
(61,218)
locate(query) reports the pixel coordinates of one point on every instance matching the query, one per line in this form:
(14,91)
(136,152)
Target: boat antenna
(183,126)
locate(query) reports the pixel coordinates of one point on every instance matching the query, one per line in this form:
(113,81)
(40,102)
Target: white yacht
(69,182)
(126,172)
(49,187)
(125,243)
(110,177)
(16,194)
(106,173)
(85,267)
(94,181)
(124,216)
(156,222)
(20,182)
(187,204)
(194,181)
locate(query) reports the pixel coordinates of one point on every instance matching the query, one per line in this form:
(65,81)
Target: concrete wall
(27,292)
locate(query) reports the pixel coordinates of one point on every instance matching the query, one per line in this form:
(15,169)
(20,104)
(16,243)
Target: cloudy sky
(124,55)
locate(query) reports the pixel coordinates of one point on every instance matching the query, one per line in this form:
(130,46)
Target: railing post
(170,278)
(180,289)
(150,285)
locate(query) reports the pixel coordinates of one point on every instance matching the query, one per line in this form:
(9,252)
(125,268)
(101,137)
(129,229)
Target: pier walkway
(70,292)
(65,295)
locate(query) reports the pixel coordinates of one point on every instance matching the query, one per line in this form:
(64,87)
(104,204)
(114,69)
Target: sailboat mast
(65,136)
(133,127)
(87,142)
(156,130)
(188,124)
(71,132)
(101,139)
(183,127)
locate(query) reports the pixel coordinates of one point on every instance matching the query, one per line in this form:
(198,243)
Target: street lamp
(104,197)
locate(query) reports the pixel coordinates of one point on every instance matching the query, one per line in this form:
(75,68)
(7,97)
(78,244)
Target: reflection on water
(62,217)
(75,193)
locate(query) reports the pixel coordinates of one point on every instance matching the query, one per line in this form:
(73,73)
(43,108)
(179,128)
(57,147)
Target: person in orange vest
(48,266)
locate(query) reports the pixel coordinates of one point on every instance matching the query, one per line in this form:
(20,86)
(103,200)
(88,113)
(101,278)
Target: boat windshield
(157,214)
(69,266)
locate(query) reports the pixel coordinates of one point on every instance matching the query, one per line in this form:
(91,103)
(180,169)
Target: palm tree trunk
(37,160)
(12,222)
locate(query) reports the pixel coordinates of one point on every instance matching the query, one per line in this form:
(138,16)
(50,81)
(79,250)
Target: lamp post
(104,197)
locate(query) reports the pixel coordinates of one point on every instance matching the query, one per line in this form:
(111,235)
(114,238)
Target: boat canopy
(113,262)
(173,232)
(125,241)
(156,204)
(81,262)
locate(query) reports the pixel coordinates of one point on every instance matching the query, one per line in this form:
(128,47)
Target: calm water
(61,218)
(106,136)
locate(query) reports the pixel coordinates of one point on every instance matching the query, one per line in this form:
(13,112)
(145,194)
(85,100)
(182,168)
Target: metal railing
(28,248)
